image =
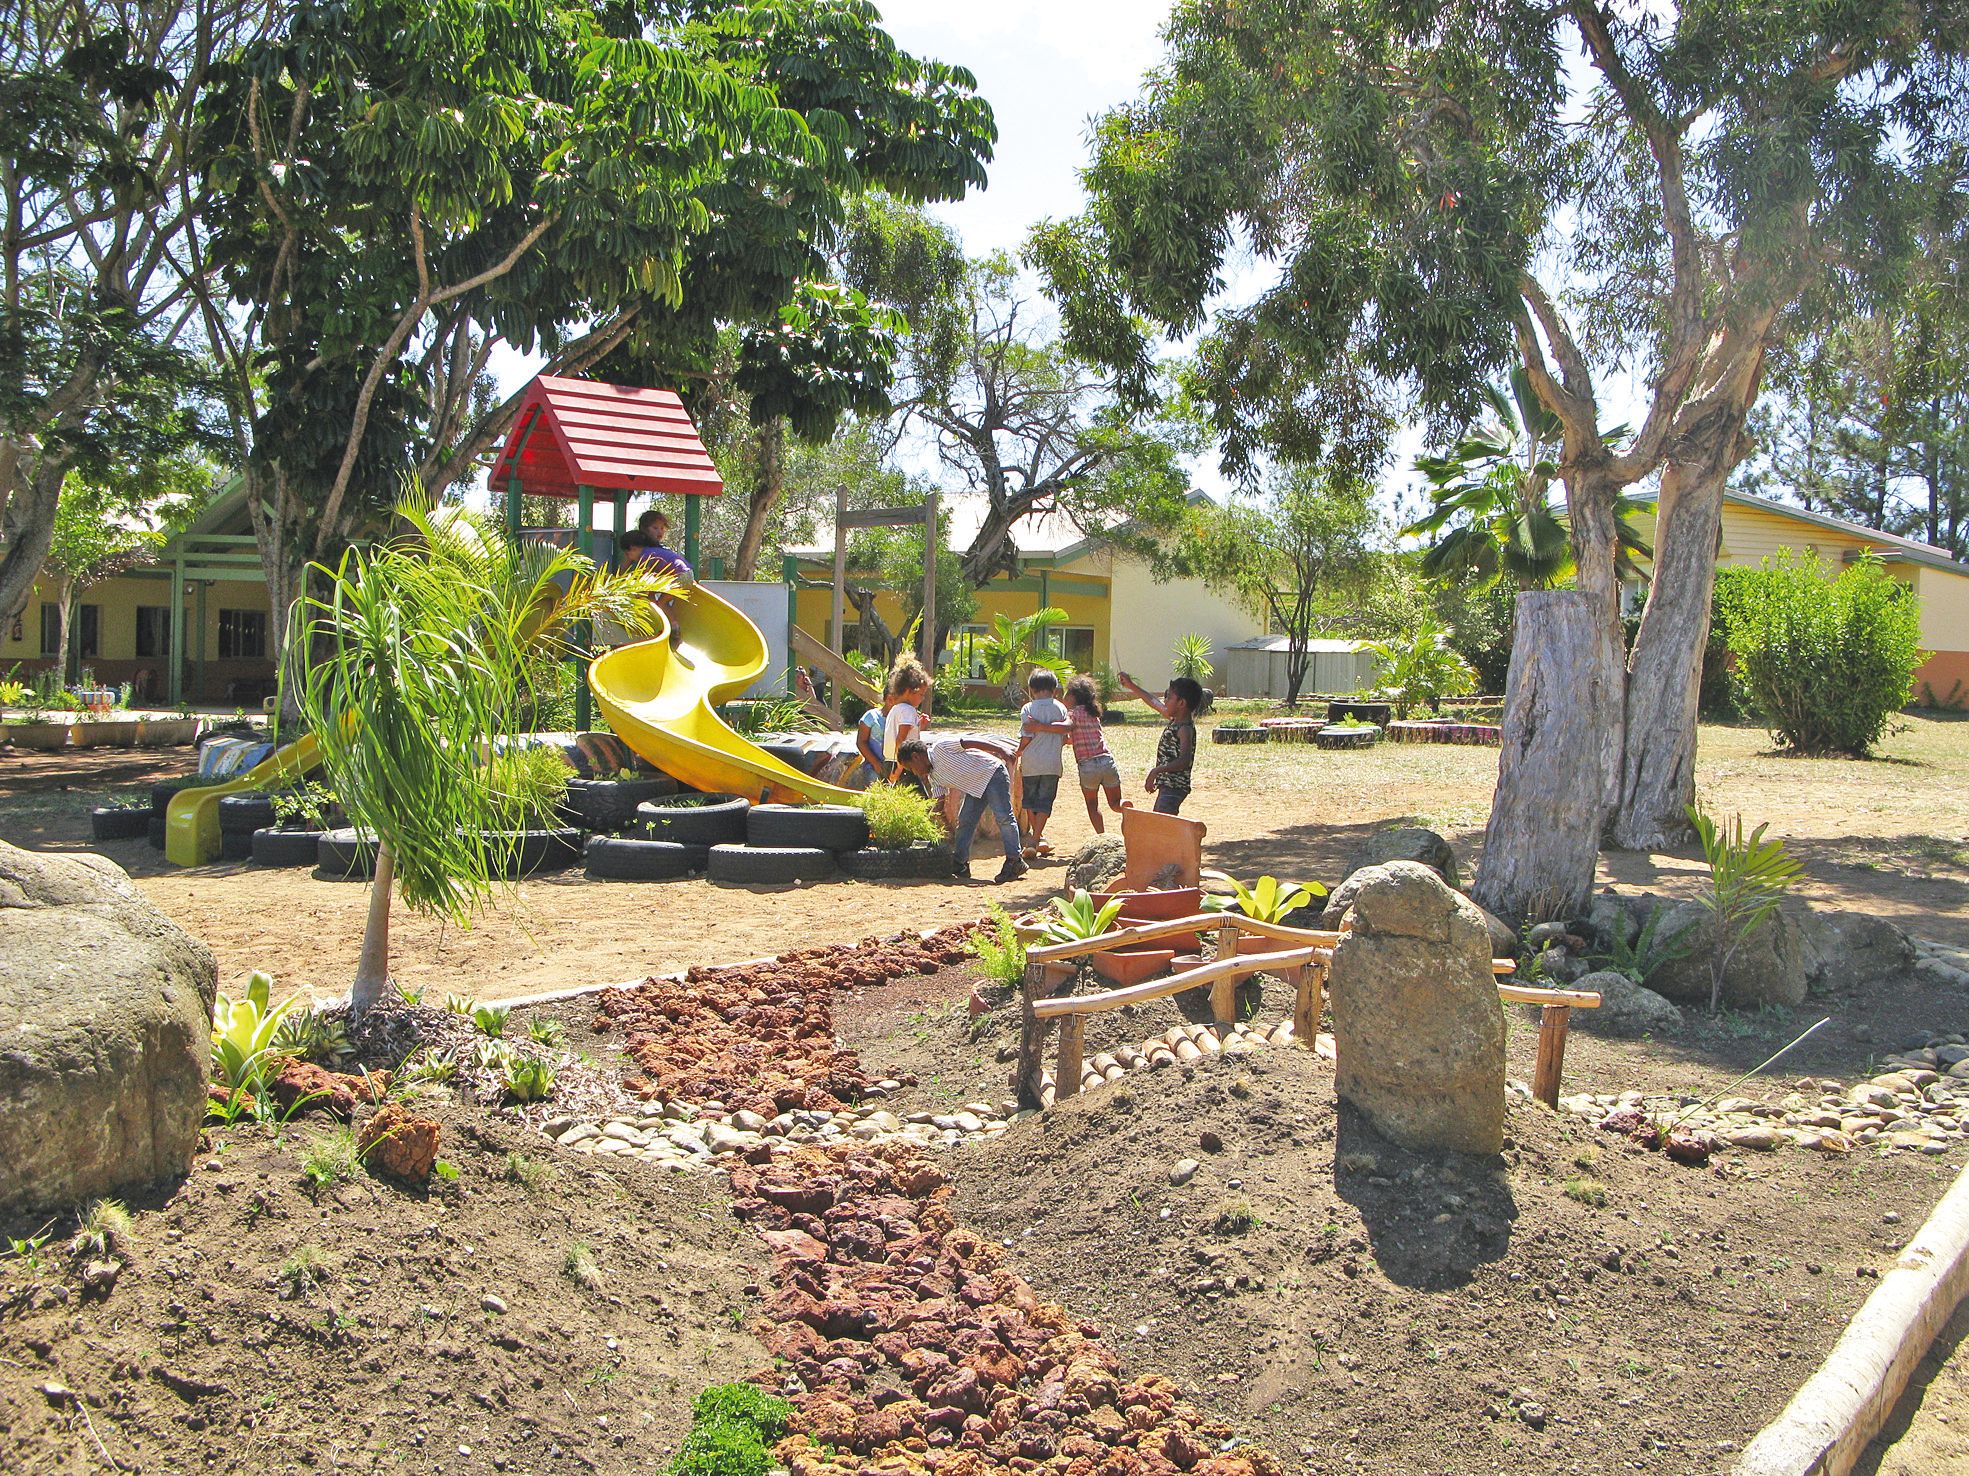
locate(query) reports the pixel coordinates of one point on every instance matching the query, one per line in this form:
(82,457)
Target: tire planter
(247,812)
(1347,737)
(624,858)
(1238,735)
(155,835)
(719,823)
(537,850)
(274,847)
(606,806)
(1377,713)
(162,792)
(116,822)
(767,865)
(822,827)
(342,855)
(920,862)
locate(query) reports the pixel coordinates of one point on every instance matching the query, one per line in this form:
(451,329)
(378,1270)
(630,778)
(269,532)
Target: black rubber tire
(624,858)
(605,806)
(340,856)
(720,823)
(273,847)
(245,813)
(162,791)
(113,822)
(766,865)
(920,862)
(155,835)
(822,827)
(542,850)
(235,845)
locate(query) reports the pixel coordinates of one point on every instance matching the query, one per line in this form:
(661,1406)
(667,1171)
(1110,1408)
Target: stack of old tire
(732,841)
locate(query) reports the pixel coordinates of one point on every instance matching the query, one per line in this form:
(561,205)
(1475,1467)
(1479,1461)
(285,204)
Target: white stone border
(1832,1419)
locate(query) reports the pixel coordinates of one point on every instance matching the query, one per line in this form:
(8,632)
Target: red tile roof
(612,437)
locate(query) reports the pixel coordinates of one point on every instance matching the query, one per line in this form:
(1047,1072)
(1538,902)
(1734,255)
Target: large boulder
(1843,949)
(1626,1008)
(105,1033)
(1406,843)
(1417,1026)
(1098,864)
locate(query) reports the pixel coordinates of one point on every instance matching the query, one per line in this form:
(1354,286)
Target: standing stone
(1417,1026)
(1406,843)
(105,1033)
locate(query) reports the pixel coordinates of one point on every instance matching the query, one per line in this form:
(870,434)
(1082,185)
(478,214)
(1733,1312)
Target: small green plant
(529,785)
(1107,682)
(528,1173)
(1237,724)
(460,1004)
(771,715)
(429,1068)
(410,996)
(578,1265)
(307,1035)
(1421,669)
(528,1079)
(491,1020)
(14,694)
(1075,919)
(1190,657)
(999,949)
(1587,1190)
(1270,901)
(1747,880)
(492,1055)
(243,1032)
(330,1158)
(307,806)
(1642,956)
(733,1428)
(103,1223)
(546,1031)
(445,1169)
(898,816)
(27,1249)
(1237,1218)
(303,1271)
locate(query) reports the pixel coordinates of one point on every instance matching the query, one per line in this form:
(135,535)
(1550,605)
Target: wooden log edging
(1832,1419)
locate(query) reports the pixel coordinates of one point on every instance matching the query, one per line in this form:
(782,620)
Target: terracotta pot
(1133,966)
(1059,971)
(1154,906)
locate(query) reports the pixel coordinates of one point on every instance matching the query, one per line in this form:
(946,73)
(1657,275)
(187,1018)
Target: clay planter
(106,733)
(166,732)
(43,736)
(1056,975)
(1133,966)
(1158,906)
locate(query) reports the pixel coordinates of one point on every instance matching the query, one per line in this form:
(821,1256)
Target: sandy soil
(1890,836)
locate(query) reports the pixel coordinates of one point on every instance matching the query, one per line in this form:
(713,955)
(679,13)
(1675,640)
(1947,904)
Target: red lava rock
(1689,1148)
(395,1143)
(317,1088)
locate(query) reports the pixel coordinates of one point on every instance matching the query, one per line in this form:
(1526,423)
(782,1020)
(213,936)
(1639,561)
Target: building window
(1076,644)
(242,635)
(51,628)
(154,630)
(89,624)
(970,660)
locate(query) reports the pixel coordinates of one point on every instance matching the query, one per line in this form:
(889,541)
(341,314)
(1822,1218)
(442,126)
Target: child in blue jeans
(1043,729)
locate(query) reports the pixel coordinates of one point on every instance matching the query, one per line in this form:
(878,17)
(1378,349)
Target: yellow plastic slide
(191,821)
(659,699)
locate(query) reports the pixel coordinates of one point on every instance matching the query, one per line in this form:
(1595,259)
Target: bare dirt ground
(1889,835)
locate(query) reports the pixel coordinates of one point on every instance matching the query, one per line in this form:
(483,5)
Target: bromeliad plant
(1075,919)
(243,1036)
(406,658)
(1270,901)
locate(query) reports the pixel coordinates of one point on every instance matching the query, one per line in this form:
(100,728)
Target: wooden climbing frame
(1303,961)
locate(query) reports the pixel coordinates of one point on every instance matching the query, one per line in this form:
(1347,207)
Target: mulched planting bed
(1338,1297)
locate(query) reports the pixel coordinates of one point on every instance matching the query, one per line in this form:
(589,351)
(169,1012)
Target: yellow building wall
(1751,535)
(1944,629)
(1150,616)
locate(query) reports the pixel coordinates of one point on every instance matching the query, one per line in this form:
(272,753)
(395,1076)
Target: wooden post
(1032,1039)
(932,545)
(837,633)
(1308,991)
(1223,992)
(1553,1022)
(1066,1074)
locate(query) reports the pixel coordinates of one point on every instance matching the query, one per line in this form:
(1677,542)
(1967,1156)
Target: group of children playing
(894,749)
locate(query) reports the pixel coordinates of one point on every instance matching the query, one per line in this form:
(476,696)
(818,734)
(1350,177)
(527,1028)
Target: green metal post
(198,645)
(691,516)
(176,644)
(791,571)
(513,506)
(584,542)
(621,527)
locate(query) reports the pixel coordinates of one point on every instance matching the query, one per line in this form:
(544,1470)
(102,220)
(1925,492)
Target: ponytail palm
(413,654)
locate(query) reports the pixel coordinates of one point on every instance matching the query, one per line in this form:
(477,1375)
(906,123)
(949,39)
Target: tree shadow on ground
(1432,1218)
(1880,1458)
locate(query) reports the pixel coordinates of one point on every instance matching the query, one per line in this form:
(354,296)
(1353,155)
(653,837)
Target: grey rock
(495,1305)
(750,1122)
(1626,1008)
(1183,1170)
(1846,948)
(105,1033)
(1417,1025)
(722,1138)
(1097,863)
(1406,843)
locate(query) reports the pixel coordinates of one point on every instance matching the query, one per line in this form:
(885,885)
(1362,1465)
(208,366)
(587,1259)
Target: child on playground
(907,694)
(1097,768)
(1175,750)
(1043,730)
(973,769)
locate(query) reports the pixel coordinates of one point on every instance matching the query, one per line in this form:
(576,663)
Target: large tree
(1444,189)
(98,123)
(405,186)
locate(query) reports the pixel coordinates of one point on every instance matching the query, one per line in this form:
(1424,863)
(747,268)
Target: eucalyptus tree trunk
(767,491)
(1561,714)
(27,526)
(373,963)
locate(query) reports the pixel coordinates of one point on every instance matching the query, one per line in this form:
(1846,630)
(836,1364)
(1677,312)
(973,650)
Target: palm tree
(410,658)
(1491,511)
(1016,645)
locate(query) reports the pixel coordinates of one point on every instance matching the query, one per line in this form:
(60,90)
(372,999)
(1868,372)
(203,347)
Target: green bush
(531,784)
(898,816)
(1824,660)
(1718,696)
(733,1428)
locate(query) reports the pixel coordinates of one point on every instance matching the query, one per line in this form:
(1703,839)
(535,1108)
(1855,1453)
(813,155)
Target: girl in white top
(908,696)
